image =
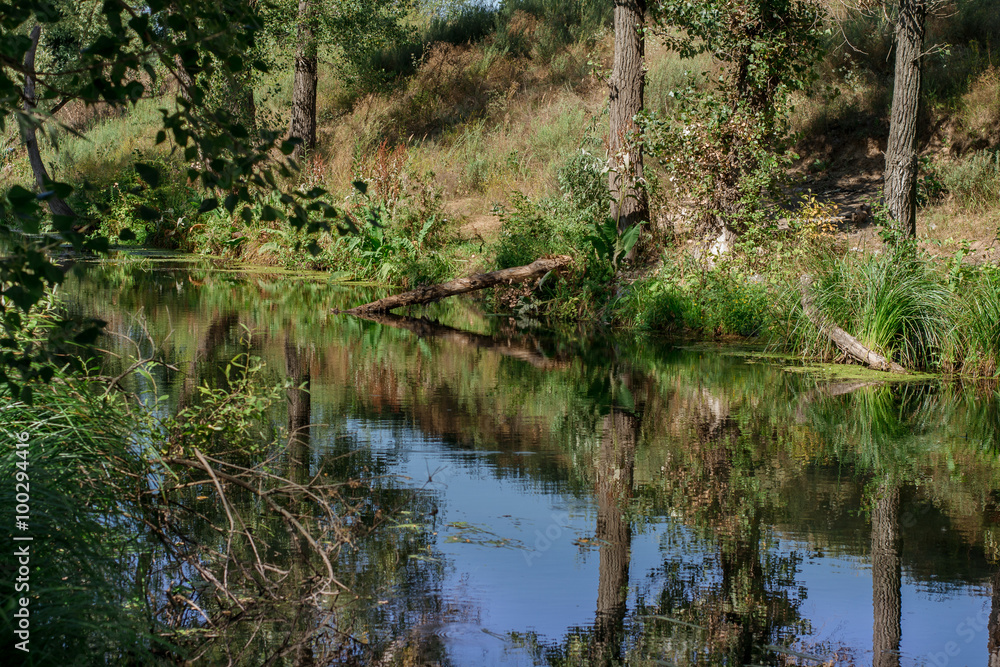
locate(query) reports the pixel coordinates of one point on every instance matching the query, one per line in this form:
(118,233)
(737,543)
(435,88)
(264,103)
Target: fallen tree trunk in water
(517,274)
(845,341)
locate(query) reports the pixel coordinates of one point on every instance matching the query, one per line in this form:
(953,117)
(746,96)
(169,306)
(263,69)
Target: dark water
(586,499)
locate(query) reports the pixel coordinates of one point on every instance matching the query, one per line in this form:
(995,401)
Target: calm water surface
(584,499)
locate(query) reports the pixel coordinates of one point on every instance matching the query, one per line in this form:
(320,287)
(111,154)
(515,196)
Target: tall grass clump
(893,303)
(82,598)
(974,344)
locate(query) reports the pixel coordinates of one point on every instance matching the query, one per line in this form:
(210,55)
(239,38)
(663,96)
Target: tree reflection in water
(724,458)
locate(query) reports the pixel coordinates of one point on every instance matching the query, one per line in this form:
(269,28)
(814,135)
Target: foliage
(583,178)
(132,211)
(171,531)
(893,303)
(610,244)
(684,298)
(529,230)
(728,142)
(189,44)
(233,413)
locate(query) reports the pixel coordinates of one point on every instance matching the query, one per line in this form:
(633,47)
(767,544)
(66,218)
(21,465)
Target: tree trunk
(901,152)
(886,578)
(299,413)
(29,131)
(303,124)
(993,626)
(614,532)
(629,205)
(517,274)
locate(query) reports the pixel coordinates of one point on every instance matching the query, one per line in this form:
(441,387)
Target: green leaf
(209,204)
(146,213)
(269,213)
(126,235)
(20,197)
(148,173)
(360,186)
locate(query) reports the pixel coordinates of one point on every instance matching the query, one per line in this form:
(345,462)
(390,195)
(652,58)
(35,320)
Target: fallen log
(517,274)
(850,345)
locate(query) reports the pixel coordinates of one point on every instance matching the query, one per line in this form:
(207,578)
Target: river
(595,498)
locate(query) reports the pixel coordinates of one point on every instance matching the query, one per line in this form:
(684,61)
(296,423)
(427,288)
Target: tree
(901,151)
(184,41)
(303,126)
(727,141)
(629,205)
(354,28)
(886,577)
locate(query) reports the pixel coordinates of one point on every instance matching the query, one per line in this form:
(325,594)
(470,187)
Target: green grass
(974,343)
(893,303)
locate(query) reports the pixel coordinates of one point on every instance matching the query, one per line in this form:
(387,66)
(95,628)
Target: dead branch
(843,340)
(517,274)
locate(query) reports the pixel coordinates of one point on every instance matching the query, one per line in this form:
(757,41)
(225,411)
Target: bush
(532,230)
(722,302)
(583,179)
(133,211)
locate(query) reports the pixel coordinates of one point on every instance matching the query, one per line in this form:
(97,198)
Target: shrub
(132,210)
(531,230)
(583,178)
(722,302)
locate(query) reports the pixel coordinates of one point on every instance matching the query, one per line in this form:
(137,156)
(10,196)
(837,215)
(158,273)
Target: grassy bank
(480,142)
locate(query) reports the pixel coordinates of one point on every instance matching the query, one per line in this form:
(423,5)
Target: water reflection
(720,509)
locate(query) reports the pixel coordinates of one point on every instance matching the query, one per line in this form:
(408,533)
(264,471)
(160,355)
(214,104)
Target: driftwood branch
(843,340)
(517,274)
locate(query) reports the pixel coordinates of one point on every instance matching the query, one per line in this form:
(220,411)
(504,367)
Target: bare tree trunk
(629,205)
(886,578)
(303,124)
(901,152)
(614,531)
(29,130)
(299,412)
